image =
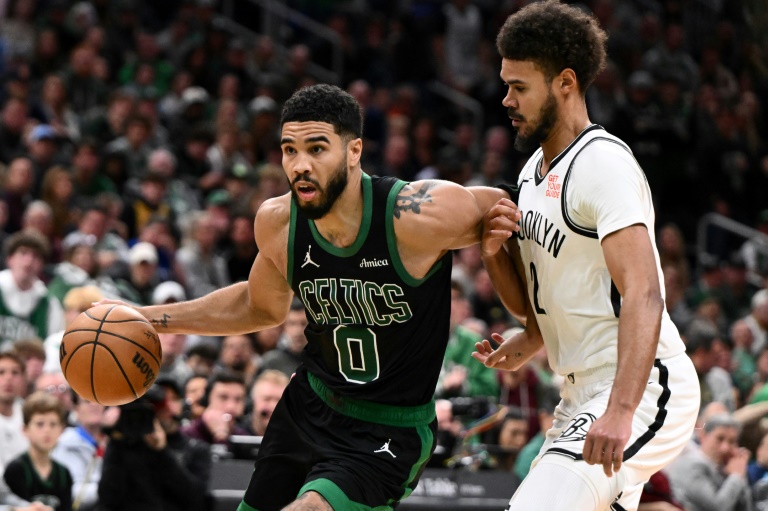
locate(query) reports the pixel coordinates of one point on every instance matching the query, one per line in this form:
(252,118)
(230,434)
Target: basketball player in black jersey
(370,259)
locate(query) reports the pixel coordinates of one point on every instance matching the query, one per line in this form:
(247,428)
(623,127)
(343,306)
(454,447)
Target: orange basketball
(110,354)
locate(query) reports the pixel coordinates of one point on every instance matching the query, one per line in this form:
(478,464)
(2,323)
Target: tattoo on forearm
(163,322)
(414,201)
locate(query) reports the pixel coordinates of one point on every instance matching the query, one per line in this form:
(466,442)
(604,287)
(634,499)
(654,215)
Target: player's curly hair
(555,37)
(325,103)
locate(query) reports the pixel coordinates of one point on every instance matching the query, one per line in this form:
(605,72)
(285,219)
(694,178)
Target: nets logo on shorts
(577,429)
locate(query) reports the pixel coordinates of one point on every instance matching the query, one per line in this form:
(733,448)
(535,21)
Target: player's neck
(342,223)
(571,122)
(6,408)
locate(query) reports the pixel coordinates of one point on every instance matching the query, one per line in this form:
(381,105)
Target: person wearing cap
(26,307)
(43,146)
(142,277)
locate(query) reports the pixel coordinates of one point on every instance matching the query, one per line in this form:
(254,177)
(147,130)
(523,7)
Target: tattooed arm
(434,216)
(259,303)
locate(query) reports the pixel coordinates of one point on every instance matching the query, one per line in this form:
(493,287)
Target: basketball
(110,354)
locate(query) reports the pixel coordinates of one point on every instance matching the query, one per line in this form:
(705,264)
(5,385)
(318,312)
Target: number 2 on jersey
(535,278)
(358,353)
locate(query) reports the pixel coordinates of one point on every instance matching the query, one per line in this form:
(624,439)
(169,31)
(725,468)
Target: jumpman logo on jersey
(308,259)
(385,448)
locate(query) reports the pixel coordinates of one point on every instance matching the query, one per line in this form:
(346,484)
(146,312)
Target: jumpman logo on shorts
(385,448)
(308,259)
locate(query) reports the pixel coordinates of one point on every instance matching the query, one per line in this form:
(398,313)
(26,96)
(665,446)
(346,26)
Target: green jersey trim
(388,415)
(291,240)
(362,234)
(245,507)
(394,253)
(336,496)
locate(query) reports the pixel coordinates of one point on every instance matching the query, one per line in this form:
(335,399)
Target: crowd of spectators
(138,139)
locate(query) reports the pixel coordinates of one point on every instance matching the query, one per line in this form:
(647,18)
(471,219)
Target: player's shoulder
(273,217)
(604,152)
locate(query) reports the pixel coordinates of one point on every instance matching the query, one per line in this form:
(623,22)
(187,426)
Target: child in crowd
(34,476)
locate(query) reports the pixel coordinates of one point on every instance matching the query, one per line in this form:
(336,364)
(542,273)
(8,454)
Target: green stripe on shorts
(426,451)
(336,496)
(245,507)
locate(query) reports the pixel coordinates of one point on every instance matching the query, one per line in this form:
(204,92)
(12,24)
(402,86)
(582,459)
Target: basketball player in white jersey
(586,248)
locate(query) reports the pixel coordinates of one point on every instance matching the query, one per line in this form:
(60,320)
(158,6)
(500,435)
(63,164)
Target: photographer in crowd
(147,464)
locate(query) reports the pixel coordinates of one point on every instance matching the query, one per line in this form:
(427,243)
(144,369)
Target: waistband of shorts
(388,415)
(591,375)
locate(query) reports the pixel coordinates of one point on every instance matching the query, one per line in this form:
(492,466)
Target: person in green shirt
(461,375)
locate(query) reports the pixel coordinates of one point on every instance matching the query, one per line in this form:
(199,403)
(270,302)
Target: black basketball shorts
(358,455)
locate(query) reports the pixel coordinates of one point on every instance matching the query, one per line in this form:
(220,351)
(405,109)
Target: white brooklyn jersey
(593,188)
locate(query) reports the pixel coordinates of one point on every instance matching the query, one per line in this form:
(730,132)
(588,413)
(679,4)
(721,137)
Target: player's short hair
(554,37)
(42,402)
(325,103)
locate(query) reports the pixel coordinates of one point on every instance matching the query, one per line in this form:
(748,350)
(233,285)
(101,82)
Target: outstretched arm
(259,303)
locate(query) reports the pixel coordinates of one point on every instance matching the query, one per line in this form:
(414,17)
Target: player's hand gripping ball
(110,354)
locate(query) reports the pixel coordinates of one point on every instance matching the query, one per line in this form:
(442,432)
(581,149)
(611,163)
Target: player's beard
(328,195)
(544,122)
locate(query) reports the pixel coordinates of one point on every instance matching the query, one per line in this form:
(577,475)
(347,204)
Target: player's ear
(354,151)
(567,81)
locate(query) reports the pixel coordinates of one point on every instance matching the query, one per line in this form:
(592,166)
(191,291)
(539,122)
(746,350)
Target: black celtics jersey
(375,333)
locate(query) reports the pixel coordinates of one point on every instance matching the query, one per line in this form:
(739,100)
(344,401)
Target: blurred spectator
(194,390)
(81,450)
(43,425)
(657,495)
(86,90)
(53,109)
(32,353)
(87,181)
(201,358)
(670,56)
(449,430)
(238,355)
(148,203)
(13,122)
(703,342)
(58,193)
(26,309)
(17,191)
(243,249)
(758,468)
(55,384)
(674,289)
(94,226)
(737,292)
(546,414)
(265,393)
(461,374)
(12,386)
(174,366)
(202,268)
(141,468)
(757,320)
(224,405)
(286,357)
(715,477)
(512,437)
(133,145)
(168,292)
(142,274)
(76,301)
